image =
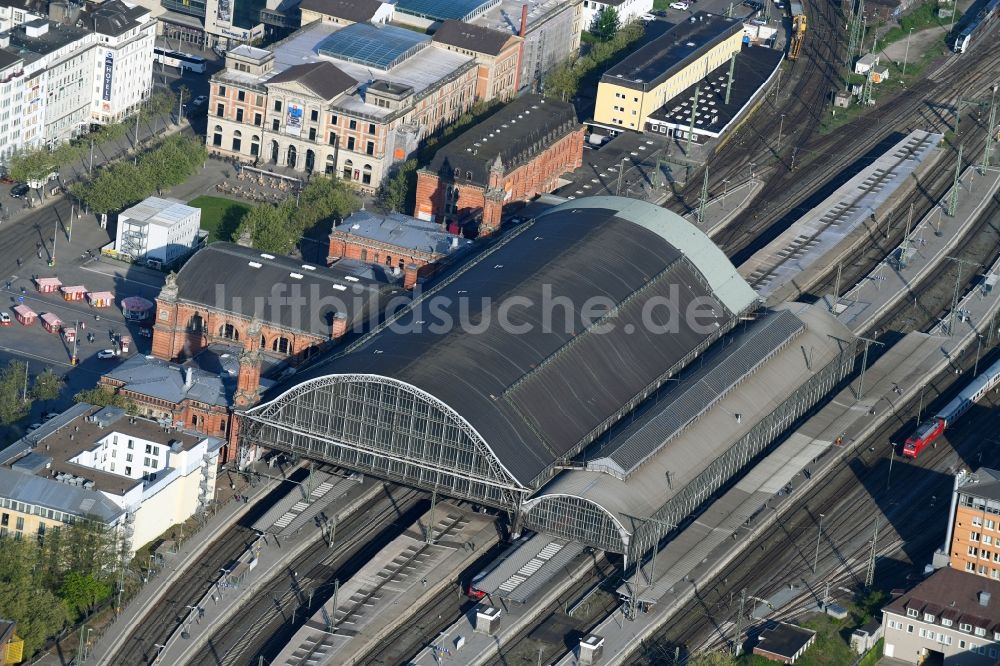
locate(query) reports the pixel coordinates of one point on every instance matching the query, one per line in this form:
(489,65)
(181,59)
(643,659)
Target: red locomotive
(926,433)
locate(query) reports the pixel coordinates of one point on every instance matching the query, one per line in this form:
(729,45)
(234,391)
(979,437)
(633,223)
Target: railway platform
(716,537)
(404,575)
(721,210)
(538,587)
(791,263)
(930,240)
(267,558)
(303,503)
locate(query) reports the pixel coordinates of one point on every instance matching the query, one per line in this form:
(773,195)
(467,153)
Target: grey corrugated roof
(56,495)
(157,378)
(653,63)
(539,395)
(322,77)
(473,37)
(983,483)
(220,276)
(697,393)
(531,565)
(113,17)
(690,453)
(514,134)
(402,231)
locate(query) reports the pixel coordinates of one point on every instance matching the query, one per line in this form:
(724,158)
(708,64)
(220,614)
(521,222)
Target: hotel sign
(109,70)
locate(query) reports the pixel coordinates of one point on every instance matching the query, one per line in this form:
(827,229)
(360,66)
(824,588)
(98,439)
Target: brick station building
(244,311)
(514,155)
(298,309)
(398,243)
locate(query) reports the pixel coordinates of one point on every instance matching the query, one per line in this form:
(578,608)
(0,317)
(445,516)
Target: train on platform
(928,431)
(977,26)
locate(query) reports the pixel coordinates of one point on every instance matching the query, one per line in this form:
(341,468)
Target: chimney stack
(524,21)
(984,598)
(410,276)
(339,325)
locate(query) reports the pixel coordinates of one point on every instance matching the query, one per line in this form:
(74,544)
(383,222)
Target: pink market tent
(47,285)
(51,322)
(137,307)
(101,299)
(74,293)
(25,315)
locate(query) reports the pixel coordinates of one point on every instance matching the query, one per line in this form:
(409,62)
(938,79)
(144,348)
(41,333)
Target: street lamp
(781,127)
(906,54)
(979,344)
(819,534)
(892,454)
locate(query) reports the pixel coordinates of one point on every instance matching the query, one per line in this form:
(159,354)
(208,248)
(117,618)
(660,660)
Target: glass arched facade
(378,425)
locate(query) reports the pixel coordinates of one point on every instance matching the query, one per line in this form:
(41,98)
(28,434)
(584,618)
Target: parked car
(683,6)
(199,100)
(34,426)
(48,416)
(4,318)
(106,354)
(19,191)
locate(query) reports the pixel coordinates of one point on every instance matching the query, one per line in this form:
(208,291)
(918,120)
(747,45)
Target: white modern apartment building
(140,475)
(159,231)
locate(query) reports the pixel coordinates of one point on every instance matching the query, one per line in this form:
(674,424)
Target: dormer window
(912,612)
(928,617)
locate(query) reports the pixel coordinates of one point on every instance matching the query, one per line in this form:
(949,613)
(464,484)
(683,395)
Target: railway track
(271,617)
(170,611)
(857,488)
(788,194)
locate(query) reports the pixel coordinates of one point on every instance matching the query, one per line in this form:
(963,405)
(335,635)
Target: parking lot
(671,15)
(26,252)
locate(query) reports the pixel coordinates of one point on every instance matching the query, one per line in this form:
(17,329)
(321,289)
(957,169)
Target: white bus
(180,60)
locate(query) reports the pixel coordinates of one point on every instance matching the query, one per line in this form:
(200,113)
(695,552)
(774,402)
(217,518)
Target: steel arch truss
(385,427)
(576,519)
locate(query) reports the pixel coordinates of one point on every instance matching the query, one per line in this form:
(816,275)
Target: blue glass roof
(442,10)
(382,47)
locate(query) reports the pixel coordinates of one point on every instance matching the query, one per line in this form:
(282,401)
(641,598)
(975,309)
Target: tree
(48,385)
(32,165)
(398,192)
(606,24)
(172,162)
(102,396)
(24,597)
(13,406)
(82,592)
(323,198)
(270,228)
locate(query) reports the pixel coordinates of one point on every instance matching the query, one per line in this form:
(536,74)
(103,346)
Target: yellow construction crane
(798,36)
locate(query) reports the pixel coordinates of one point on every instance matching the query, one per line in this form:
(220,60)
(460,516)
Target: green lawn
(220,216)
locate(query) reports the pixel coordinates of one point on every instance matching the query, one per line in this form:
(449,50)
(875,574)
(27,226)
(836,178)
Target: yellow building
(11,647)
(650,77)
(99,464)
